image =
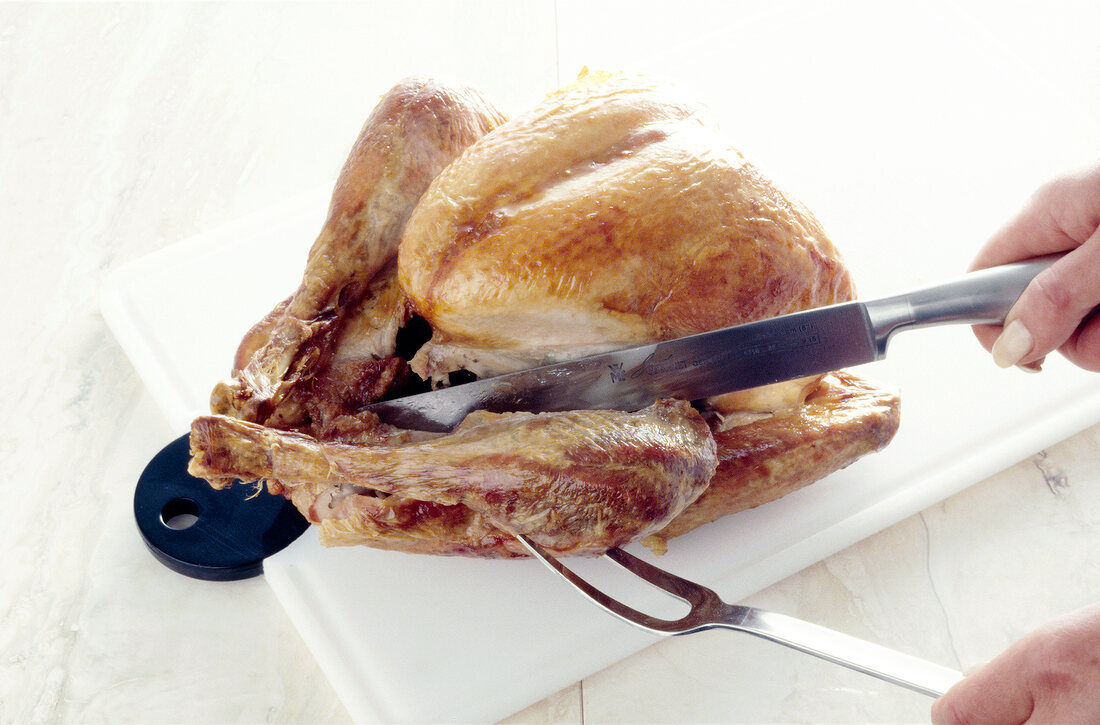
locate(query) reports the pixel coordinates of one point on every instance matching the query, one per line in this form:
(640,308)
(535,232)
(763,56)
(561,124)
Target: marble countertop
(125,128)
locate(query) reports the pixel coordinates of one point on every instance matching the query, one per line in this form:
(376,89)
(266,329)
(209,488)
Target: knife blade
(787,347)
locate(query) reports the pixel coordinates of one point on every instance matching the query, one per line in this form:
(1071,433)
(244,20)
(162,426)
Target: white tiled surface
(124,128)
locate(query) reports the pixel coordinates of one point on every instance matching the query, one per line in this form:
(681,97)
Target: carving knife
(787,347)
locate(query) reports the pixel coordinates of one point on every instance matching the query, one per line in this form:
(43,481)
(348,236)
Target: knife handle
(978,298)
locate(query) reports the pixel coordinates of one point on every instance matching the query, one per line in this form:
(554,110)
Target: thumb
(1052,307)
(997,694)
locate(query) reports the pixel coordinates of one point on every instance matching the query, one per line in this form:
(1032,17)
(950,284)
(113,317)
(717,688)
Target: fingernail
(1033,367)
(1014,343)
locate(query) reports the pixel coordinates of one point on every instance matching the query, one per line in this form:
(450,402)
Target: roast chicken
(462,244)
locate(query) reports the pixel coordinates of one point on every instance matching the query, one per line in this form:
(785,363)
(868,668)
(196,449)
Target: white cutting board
(910,164)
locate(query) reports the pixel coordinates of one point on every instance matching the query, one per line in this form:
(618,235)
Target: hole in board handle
(180,513)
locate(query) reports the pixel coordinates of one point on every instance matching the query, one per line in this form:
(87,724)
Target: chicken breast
(612,214)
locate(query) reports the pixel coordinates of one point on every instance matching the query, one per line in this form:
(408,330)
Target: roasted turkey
(462,244)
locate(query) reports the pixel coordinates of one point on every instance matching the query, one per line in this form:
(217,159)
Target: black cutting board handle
(205,533)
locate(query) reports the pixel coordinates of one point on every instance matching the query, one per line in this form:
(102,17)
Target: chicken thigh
(611,214)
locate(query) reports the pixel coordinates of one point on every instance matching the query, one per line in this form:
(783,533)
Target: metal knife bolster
(978,298)
(734,358)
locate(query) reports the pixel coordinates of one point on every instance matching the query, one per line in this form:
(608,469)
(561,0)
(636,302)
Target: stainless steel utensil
(708,611)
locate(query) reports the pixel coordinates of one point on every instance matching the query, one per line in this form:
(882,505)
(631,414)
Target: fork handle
(875,660)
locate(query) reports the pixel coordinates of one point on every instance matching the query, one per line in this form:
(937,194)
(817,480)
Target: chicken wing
(418,128)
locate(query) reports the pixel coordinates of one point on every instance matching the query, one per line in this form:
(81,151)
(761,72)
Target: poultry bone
(461,244)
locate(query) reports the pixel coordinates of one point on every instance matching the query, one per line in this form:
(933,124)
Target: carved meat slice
(418,128)
(577,482)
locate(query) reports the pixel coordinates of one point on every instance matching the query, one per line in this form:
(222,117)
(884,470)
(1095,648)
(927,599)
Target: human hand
(1055,312)
(1050,676)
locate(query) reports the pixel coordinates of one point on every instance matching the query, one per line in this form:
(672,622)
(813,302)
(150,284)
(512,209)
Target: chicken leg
(577,482)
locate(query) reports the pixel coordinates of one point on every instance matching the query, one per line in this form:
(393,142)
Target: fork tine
(708,610)
(623,611)
(689,591)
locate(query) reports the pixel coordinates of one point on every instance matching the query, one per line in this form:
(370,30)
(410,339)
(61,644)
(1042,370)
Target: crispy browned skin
(576,482)
(842,419)
(418,128)
(611,214)
(409,525)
